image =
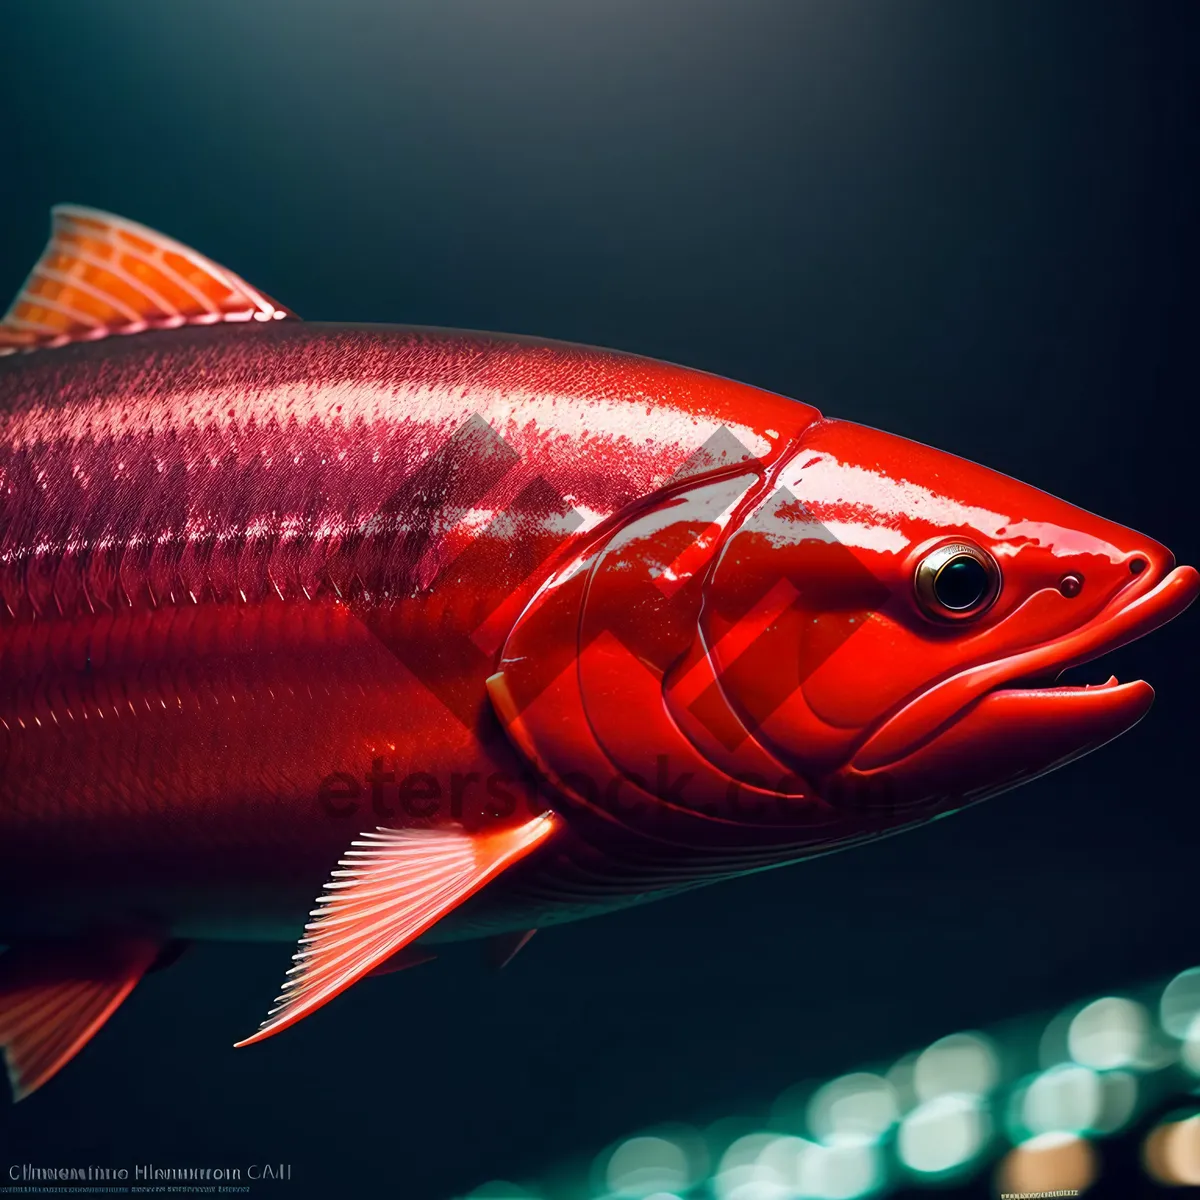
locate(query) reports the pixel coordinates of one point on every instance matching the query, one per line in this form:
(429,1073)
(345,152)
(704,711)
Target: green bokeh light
(927,1117)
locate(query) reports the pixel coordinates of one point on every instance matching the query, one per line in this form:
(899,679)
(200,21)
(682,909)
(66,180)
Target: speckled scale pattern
(230,464)
(233,559)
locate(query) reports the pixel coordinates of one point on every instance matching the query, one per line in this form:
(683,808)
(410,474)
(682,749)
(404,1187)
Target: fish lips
(988,728)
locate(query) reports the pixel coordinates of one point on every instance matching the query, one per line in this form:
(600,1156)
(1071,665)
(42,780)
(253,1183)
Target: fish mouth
(996,701)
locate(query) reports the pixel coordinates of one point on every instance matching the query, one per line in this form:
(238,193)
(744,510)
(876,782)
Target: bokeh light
(840,1172)
(854,1108)
(1108,1033)
(1118,1101)
(1064,1099)
(1180,1004)
(1171,1152)
(1048,1163)
(963,1063)
(763,1166)
(643,1166)
(501,1189)
(1052,1049)
(743,1174)
(929,1118)
(943,1134)
(901,1076)
(1189,1054)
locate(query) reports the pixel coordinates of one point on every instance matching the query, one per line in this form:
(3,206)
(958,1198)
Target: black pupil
(962,583)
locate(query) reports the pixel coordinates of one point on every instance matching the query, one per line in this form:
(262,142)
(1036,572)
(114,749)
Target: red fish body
(534,630)
(215,603)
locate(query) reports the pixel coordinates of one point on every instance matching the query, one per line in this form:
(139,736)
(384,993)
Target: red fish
(487,633)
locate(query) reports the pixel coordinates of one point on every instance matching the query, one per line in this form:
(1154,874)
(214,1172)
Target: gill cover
(607,681)
(774,637)
(899,699)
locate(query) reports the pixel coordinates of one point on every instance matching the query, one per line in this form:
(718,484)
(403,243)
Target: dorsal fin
(100,274)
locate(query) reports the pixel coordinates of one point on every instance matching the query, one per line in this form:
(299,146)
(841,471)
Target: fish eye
(1071,584)
(957,581)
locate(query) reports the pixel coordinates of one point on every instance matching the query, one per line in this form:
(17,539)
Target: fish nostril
(1137,565)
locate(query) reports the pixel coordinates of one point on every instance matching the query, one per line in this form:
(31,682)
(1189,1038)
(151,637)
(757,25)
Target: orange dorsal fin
(55,995)
(393,885)
(100,274)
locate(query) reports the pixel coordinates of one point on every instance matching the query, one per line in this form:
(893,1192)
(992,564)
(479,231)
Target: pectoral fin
(393,885)
(55,995)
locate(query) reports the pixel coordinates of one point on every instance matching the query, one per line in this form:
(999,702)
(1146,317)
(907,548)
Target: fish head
(891,620)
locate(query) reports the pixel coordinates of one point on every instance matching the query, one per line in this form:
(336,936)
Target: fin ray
(55,996)
(398,884)
(100,274)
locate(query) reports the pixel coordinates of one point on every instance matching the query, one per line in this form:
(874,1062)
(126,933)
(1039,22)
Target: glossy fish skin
(217,576)
(523,631)
(221,587)
(808,670)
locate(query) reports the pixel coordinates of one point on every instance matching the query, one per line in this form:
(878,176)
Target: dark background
(972,224)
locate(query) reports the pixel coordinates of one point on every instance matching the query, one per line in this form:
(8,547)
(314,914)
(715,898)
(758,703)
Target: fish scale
(486,633)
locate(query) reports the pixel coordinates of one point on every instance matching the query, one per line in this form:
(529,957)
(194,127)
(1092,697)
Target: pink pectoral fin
(101,274)
(394,885)
(55,995)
